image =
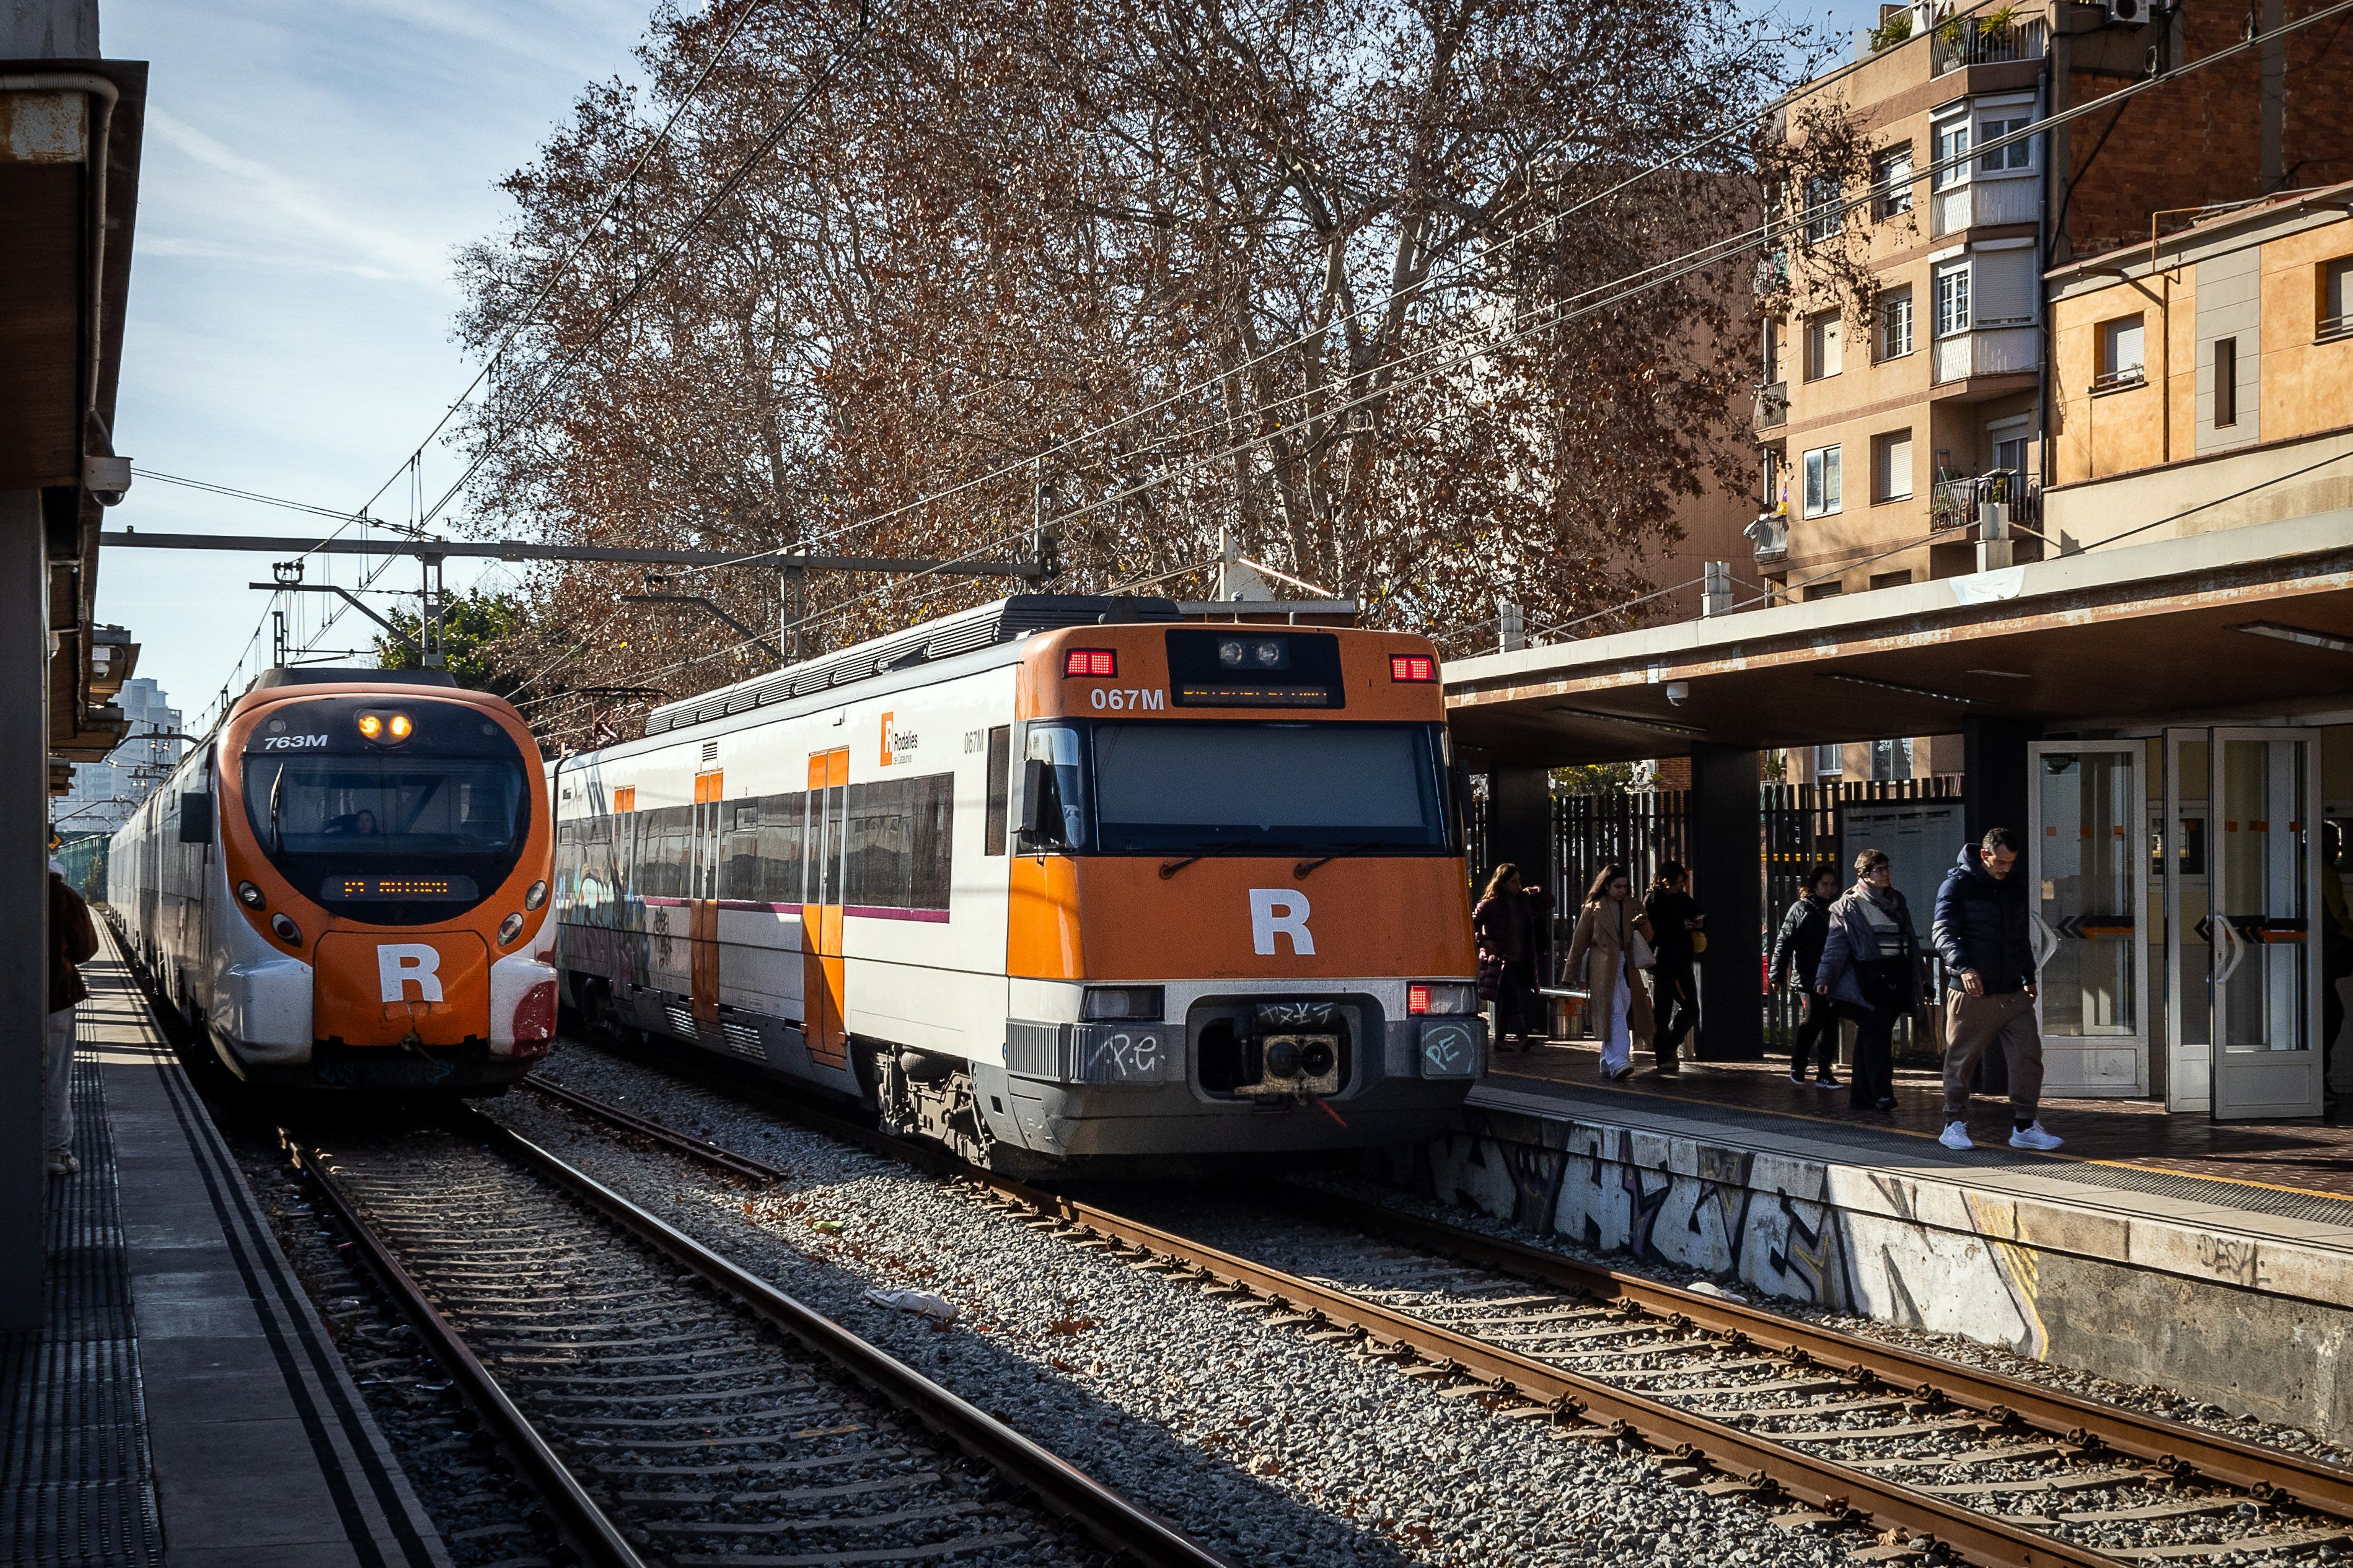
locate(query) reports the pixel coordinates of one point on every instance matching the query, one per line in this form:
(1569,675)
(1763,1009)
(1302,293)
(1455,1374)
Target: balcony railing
(1988,351)
(1968,41)
(1770,534)
(1984,201)
(1953,502)
(1772,404)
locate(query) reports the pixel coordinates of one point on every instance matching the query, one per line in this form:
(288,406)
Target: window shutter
(2004,286)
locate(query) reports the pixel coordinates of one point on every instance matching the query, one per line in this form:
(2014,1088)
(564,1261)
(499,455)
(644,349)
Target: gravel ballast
(1262,1444)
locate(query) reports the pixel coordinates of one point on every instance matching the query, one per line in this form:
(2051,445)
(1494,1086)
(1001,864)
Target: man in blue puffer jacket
(1982,933)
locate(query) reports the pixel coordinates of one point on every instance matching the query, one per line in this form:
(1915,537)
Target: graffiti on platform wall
(1872,1243)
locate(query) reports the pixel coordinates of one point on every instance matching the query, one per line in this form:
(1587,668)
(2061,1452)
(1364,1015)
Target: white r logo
(399,965)
(1280,912)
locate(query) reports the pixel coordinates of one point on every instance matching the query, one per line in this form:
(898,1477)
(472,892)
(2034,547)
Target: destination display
(396,889)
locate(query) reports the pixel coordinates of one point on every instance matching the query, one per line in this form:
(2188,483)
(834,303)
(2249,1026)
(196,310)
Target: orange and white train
(346,885)
(1056,879)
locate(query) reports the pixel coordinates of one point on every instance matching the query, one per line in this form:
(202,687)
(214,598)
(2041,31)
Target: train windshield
(1313,788)
(414,838)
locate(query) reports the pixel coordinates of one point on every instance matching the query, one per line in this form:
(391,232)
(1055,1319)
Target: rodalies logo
(898,745)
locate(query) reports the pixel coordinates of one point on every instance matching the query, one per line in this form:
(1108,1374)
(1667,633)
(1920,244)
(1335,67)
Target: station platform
(2212,1258)
(183,1405)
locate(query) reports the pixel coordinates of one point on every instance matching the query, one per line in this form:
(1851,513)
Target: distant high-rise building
(103,794)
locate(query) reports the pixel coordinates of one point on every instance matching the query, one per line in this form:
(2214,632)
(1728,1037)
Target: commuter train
(1057,881)
(345,886)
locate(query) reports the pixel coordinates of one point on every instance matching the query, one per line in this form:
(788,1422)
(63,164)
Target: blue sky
(310,167)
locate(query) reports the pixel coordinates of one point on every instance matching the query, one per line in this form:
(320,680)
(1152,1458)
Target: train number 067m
(1151,699)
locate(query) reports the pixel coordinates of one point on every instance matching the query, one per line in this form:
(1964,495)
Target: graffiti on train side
(1124,1058)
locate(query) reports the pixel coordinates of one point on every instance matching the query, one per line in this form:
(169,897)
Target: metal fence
(1798,827)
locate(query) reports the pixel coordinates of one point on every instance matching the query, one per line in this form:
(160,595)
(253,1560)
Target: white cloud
(349,244)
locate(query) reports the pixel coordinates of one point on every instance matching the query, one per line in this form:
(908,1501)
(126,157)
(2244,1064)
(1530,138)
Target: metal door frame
(2314,1051)
(2136,815)
(2177,988)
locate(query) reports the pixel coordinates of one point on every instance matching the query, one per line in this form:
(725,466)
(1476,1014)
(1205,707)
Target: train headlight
(510,928)
(1434,998)
(400,727)
(536,897)
(371,727)
(1127,1003)
(249,895)
(286,930)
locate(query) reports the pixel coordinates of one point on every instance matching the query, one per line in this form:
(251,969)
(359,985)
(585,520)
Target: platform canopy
(2244,623)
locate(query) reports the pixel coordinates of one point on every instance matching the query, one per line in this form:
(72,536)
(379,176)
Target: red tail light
(1417,998)
(1412,667)
(1101,661)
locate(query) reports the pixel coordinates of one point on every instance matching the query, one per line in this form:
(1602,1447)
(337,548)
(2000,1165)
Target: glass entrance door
(2090,882)
(2179,852)
(2263,889)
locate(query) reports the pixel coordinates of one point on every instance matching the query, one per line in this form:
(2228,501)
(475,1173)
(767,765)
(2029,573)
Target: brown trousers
(1974,1023)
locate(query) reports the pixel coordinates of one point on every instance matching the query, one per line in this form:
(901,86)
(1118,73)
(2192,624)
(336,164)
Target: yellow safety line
(1909,1132)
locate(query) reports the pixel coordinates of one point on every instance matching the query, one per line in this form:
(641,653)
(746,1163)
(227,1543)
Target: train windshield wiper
(1240,845)
(1354,847)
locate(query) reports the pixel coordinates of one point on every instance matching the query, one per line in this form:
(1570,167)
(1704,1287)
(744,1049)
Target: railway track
(1934,1458)
(670,1407)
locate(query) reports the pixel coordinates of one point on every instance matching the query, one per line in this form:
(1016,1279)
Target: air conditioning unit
(2129,13)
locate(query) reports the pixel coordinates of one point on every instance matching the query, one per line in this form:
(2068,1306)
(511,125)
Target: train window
(665,842)
(899,843)
(1185,788)
(1001,782)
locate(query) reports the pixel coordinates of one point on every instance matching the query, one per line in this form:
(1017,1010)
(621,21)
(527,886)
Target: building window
(1952,299)
(1952,156)
(1891,466)
(2336,297)
(1822,351)
(2120,353)
(1896,322)
(1821,482)
(1825,215)
(2226,382)
(1830,760)
(1775,353)
(1891,761)
(1891,178)
(1891,578)
(2019,155)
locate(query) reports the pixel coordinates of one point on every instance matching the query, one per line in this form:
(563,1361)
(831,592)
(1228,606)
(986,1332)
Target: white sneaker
(1955,1135)
(2033,1137)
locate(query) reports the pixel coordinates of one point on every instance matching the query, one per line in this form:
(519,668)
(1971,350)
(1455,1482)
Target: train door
(702,904)
(822,1020)
(2181,848)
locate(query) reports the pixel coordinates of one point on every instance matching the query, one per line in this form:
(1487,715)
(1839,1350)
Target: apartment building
(1908,348)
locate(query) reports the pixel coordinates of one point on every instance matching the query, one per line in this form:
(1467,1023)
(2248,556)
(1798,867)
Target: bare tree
(1338,274)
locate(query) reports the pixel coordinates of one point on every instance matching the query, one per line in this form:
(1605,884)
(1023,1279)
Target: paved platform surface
(2300,1171)
(183,1406)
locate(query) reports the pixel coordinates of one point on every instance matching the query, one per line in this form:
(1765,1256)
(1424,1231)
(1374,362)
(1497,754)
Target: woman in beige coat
(1602,954)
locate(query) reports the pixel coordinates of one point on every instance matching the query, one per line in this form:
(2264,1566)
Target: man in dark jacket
(1797,954)
(1982,932)
(73,940)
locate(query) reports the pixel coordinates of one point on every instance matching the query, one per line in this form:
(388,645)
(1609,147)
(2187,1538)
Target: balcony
(1989,350)
(1772,404)
(1981,202)
(1953,500)
(1968,41)
(1770,534)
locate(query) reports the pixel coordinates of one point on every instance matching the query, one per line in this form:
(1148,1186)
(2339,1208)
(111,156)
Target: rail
(2171,1451)
(1116,1524)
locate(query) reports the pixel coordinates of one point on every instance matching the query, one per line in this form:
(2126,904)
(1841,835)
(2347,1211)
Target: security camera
(1677,690)
(107,479)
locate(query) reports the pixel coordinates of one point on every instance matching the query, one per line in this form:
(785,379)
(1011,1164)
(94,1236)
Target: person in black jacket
(1984,933)
(1797,953)
(1676,921)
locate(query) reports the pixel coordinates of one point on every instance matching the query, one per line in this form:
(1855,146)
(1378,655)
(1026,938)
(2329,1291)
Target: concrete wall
(49,29)
(2253,1324)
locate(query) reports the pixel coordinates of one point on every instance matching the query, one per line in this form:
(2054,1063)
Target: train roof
(349,675)
(1004,621)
